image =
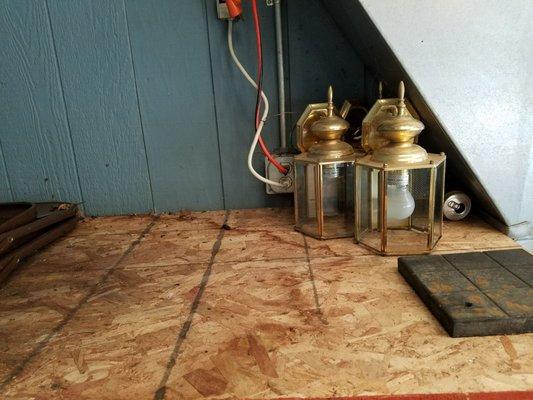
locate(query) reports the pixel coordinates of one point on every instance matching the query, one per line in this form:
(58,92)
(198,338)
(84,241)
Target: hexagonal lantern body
(399,189)
(323,197)
(399,208)
(323,193)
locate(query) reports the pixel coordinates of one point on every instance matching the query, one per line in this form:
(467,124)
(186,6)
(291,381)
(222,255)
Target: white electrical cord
(265,112)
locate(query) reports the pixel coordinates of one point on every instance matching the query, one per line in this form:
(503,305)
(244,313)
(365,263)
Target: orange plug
(234,8)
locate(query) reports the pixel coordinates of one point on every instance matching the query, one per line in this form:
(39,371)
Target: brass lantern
(399,189)
(323,194)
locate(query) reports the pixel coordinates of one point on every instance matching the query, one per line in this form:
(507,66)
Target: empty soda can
(457,205)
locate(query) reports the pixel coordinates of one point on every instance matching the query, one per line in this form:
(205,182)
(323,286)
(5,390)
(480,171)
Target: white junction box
(272,173)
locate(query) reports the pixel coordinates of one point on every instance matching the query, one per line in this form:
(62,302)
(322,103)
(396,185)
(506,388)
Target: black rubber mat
(475,294)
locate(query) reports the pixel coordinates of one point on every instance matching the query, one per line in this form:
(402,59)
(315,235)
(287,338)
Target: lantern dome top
(329,131)
(400,128)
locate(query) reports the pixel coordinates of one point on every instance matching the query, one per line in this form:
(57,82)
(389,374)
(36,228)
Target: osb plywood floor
(177,307)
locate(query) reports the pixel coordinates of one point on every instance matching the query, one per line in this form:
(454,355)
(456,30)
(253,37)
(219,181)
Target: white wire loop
(265,111)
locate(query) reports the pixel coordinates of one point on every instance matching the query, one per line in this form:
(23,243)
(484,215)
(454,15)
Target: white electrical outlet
(272,173)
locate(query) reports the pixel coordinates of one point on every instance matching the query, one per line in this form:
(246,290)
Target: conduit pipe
(281,76)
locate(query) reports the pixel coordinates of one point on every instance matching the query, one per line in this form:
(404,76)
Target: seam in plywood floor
(313,283)
(161,391)
(92,291)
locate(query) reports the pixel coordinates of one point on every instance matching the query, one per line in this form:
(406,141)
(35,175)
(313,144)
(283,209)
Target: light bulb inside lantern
(400,202)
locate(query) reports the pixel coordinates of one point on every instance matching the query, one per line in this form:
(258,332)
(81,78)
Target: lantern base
(331,230)
(400,242)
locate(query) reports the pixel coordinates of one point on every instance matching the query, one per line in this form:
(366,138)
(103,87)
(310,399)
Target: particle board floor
(177,308)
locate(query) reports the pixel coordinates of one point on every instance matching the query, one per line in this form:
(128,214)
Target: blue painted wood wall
(133,106)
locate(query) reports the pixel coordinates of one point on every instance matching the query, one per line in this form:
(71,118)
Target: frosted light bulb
(400,202)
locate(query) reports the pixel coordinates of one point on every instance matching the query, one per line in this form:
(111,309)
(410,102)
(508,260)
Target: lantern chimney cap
(329,130)
(400,129)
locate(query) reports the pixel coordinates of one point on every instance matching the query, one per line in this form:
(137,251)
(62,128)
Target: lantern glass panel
(369,211)
(419,181)
(306,216)
(439,200)
(337,199)
(399,211)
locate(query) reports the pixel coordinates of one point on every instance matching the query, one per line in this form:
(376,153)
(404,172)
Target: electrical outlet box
(222,9)
(272,173)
